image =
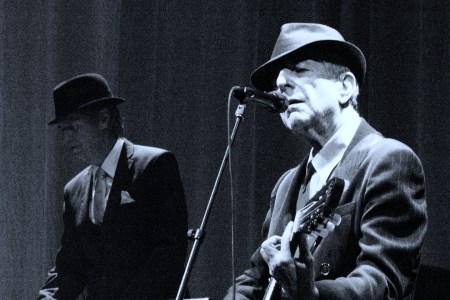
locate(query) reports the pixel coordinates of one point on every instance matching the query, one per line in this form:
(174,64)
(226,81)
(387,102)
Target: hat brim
(96,102)
(264,77)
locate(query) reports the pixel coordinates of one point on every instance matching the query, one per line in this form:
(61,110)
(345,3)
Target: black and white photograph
(235,150)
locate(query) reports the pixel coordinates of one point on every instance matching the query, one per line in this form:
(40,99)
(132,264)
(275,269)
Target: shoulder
(148,153)
(285,180)
(78,179)
(289,174)
(143,156)
(137,151)
(390,158)
(387,148)
(377,145)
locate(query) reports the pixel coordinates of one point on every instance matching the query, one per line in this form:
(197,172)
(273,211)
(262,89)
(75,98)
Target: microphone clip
(273,101)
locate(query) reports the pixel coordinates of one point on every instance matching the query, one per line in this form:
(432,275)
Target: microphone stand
(198,235)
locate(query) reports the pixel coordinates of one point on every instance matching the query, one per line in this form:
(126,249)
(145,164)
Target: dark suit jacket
(374,253)
(139,250)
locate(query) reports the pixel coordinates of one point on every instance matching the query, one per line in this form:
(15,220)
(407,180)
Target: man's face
(81,136)
(313,99)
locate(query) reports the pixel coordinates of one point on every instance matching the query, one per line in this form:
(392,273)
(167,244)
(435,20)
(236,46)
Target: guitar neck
(272,289)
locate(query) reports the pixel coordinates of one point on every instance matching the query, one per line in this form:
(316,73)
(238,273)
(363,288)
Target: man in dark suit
(374,253)
(125,216)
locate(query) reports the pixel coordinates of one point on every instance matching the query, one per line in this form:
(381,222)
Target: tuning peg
(330,226)
(336,219)
(324,232)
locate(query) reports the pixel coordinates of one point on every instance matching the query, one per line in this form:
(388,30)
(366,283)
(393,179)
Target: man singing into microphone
(374,253)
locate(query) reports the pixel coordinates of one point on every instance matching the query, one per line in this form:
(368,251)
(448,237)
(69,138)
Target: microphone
(275,102)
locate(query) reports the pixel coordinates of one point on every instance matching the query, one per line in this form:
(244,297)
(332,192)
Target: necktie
(308,174)
(303,195)
(99,196)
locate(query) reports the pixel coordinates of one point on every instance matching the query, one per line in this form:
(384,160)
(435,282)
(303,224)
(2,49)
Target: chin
(81,158)
(298,123)
(297,129)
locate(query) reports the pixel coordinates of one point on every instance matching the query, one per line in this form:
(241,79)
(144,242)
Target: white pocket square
(125,198)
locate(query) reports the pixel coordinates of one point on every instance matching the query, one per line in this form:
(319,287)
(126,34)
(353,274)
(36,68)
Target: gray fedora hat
(80,92)
(300,41)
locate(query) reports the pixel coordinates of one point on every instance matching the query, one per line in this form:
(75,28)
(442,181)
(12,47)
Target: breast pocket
(331,257)
(345,209)
(127,212)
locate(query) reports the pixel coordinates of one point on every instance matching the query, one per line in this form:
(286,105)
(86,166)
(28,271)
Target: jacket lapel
(288,190)
(121,181)
(80,196)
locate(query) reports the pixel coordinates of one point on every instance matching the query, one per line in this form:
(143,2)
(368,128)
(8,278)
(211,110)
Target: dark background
(175,62)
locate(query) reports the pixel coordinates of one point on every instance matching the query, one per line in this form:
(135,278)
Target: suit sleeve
(66,280)
(159,186)
(391,222)
(253,282)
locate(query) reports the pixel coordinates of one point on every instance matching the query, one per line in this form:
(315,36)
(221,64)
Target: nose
(283,80)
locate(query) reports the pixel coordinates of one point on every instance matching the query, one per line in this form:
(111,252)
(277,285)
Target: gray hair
(334,71)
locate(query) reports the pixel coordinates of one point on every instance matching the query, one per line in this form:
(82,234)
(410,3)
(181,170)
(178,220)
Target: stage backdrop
(175,62)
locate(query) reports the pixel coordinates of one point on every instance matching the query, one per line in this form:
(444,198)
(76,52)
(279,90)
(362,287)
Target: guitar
(317,218)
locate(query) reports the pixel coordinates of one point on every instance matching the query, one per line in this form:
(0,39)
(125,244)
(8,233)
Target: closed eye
(296,68)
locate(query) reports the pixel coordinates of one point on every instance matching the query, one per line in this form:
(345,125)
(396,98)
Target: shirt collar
(109,165)
(332,152)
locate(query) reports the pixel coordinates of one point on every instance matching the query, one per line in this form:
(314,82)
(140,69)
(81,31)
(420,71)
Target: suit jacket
(139,250)
(374,253)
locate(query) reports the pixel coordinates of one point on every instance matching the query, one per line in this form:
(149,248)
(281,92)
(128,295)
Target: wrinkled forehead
(310,64)
(308,67)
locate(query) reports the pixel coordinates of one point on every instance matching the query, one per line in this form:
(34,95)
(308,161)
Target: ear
(103,118)
(348,85)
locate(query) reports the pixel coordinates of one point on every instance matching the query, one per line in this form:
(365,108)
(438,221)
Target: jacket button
(325,269)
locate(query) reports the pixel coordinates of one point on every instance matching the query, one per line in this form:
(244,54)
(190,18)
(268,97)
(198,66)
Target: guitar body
(318,218)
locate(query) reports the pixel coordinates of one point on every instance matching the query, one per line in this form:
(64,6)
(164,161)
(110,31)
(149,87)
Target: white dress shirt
(109,165)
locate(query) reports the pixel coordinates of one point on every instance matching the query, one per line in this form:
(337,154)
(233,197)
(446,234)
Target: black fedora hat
(299,40)
(80,92)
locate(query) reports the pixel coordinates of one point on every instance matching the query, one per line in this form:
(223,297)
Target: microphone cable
(230,171)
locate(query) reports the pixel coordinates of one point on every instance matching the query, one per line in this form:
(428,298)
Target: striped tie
(99,197)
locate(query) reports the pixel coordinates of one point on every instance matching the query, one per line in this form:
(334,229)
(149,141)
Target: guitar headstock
(317,217)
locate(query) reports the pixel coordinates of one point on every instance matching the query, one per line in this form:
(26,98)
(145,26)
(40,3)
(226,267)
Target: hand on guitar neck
(292,275)
(311,224)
